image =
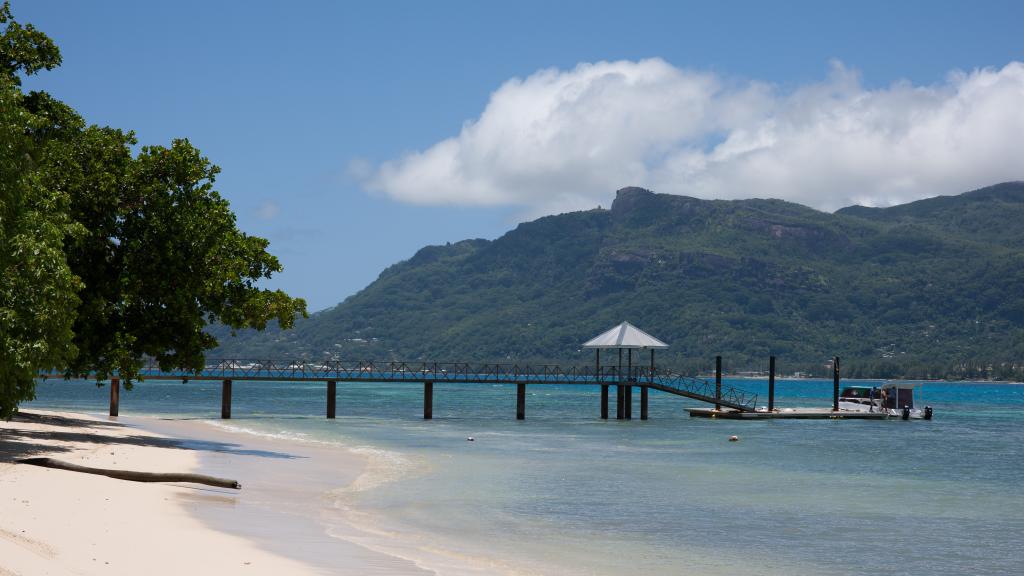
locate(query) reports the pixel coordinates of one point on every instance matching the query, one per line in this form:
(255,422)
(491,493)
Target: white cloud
(565,140)
(268,211)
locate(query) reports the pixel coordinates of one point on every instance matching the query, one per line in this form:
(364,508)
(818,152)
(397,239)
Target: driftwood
(132,475)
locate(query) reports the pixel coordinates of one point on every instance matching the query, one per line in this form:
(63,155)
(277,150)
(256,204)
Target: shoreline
(321,509)
(59,522)
(292,483)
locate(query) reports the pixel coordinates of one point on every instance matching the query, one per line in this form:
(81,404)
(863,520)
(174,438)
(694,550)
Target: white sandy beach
(58,522)
(55,522)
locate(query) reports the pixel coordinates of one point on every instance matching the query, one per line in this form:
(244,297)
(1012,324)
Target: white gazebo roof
(625,335)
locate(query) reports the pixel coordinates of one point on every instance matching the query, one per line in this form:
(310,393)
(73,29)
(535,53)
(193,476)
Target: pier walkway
(229,371)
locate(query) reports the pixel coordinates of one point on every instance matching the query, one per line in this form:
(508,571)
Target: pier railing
(700,389)
(465,372)
(392,371)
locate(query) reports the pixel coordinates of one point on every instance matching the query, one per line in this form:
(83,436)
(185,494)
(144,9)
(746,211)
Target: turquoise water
(564,492)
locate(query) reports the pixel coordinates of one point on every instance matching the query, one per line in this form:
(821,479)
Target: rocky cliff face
(922,287)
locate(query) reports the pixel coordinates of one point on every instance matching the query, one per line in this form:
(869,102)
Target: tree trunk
(131,475)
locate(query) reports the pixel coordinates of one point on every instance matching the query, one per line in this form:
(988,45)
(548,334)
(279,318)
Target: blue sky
(352,134)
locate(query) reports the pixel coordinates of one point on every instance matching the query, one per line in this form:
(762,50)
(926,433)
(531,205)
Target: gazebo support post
(644,390)
(604,401)
(643,402)
(629,385)
(620,393)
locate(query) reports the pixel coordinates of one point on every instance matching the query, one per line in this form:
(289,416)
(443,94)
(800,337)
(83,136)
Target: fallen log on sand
(132,475)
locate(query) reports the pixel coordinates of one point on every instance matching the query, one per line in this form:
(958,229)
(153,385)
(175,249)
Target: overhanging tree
(151,249)
(37,288)
(161,256)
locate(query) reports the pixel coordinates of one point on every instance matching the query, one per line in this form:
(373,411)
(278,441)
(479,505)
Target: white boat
(891,398)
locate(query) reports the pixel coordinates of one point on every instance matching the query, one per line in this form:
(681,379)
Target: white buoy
(734,438)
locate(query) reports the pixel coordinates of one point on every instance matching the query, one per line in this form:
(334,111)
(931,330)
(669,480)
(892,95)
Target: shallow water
(564,492)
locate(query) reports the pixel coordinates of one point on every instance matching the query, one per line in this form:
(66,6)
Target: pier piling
(225,400)
(620,393)
(332,398)
(620,401)
(629,402)
(115,395)
(629,388)
(520,401)
(718,381)
(643,402)
(604,401)
(835,384)
(428,400)
(771,383)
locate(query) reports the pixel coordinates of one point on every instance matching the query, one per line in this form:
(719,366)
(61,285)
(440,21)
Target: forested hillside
(934,288)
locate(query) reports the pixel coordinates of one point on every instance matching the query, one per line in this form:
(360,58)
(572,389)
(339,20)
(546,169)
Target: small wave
(290,435)
(382,467)
(420,549)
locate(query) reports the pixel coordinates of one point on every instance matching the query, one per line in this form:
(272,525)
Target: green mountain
(934,288)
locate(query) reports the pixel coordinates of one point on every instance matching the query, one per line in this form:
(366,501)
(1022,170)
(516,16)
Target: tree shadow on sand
(16,443)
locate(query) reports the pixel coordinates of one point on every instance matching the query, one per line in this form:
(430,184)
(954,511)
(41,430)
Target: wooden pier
(646,378)
(729,402)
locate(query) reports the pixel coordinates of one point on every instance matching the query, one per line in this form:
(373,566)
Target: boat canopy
(859,392)
(901,385)
(898,394)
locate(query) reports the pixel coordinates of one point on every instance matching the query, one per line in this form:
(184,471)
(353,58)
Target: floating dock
(790,413)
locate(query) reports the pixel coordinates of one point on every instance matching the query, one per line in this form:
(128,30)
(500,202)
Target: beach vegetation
(111,257)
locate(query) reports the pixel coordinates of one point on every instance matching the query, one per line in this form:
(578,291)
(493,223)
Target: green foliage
(923,293)
(161,256)
(149,246)
(23,49)
(37,291)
